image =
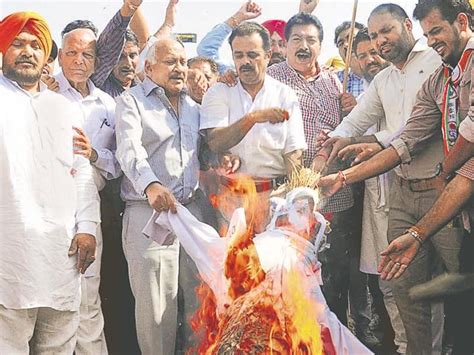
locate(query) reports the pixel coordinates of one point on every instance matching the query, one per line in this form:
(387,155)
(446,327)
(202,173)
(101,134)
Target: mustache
(303,51)
(374,64)
(246,67)
(23,60)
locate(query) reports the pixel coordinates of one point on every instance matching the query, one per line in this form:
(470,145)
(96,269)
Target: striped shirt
(109,47)
(319,103)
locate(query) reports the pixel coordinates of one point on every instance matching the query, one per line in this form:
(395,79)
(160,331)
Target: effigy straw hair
(303,177)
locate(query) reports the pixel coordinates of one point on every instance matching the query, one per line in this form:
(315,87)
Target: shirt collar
(301,76)
(65,85)
(149,86)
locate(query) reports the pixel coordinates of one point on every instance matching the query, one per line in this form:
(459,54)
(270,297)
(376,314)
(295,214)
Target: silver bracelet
(415,235)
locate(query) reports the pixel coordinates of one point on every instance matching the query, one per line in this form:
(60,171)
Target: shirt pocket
(271,136)
(104,137)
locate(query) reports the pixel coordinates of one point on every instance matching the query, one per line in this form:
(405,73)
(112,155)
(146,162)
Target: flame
(252,323)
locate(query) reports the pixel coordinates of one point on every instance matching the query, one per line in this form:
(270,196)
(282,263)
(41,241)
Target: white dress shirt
(390,97)
(98,121)
(47,195)
(264,146)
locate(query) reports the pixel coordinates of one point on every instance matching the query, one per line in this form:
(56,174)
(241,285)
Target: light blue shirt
(211,44)
(156,145)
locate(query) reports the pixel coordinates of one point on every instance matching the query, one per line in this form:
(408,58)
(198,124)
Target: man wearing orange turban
(31,22)
(48,216)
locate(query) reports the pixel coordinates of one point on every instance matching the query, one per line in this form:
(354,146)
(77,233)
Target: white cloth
(47,194)
(264,146)
(291,253)
(98,122)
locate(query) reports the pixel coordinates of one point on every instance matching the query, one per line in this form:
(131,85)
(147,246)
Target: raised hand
(248,11)
(398,255)
(308,6)
(170,17)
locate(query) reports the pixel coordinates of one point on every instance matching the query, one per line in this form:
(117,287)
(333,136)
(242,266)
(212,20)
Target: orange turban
(12,25)
(277,26)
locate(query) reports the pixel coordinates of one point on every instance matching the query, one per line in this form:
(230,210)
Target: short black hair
(131,37)
(249,28)
(393,9)
(74,25)
(449,9)
(361,36)
(54,51)
(303,18)
(345,26)
(200,59)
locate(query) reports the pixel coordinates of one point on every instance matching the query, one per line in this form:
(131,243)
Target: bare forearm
(222,139)
(450,202)
(365,139)
(139,26)
(380,163)
(462,151)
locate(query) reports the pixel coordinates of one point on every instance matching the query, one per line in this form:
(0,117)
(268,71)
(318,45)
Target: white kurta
(281,253)
(46,195)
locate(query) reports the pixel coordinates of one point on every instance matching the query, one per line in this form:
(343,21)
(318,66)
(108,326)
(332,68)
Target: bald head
(166,65)
(78,54)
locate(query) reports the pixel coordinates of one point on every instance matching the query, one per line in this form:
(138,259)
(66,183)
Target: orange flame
(251,322)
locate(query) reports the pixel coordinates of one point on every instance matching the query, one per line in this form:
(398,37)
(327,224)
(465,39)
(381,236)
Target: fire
(254,321)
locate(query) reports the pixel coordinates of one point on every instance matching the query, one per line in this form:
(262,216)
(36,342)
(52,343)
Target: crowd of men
(130,125)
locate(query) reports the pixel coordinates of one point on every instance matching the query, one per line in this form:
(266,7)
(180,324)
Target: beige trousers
(90,334)
(37,331)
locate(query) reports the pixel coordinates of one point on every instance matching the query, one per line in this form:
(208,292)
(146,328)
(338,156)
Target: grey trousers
(37,331)
(406,208)
(159,275)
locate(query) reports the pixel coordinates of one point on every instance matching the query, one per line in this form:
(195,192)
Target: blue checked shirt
(355,85)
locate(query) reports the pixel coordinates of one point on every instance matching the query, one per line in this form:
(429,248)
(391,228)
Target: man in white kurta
(49,206)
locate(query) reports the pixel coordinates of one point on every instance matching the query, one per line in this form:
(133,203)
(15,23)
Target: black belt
(261,185)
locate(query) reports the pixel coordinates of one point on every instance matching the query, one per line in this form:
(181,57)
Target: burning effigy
(261,292)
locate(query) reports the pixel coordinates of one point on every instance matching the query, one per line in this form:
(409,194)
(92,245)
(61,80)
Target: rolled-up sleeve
(466,128)
(467,170)
(211,44)
(131,154)
(423,124)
